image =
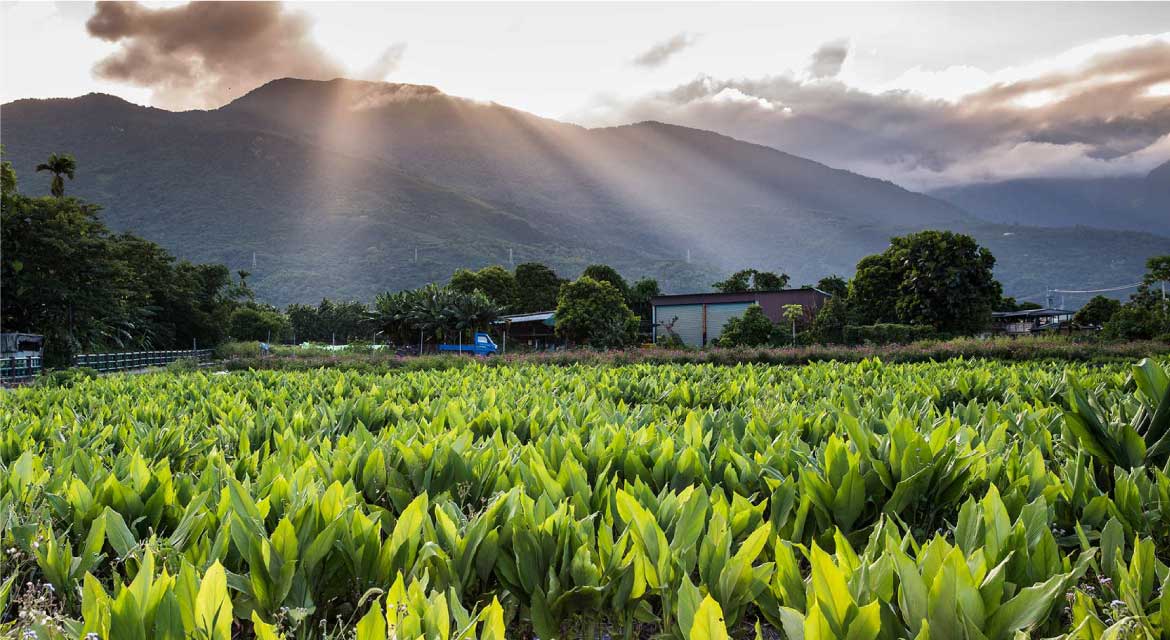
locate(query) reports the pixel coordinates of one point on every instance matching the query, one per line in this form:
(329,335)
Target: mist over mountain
(334,185)
(1138,203)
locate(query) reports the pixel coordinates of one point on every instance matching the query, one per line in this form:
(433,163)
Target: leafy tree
(1009,304)
(496,282)
(7,175)
(874,290)
(606,273)
(834,285)
(640,296)
(830,322)
(1147,314)
(59,166)
(65,276)
(752,329)
(258,322)
(1097,311)
(748,280)
(594,312)
(536,288)
(936,278)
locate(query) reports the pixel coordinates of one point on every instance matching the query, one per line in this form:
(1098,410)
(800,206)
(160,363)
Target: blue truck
(483,345)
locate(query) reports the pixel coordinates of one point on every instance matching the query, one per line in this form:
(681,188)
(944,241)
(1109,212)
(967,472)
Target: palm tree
(58,166)
(793,312)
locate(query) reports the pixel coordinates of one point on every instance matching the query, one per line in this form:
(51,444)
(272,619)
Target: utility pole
(253,259)
(510,263)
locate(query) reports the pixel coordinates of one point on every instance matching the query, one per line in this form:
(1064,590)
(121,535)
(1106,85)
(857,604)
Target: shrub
(65,378)
(183,365)
(752,329)
(887,333)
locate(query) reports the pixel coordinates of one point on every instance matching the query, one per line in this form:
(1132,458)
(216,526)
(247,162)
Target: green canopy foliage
(606,273)
(752,329)
(496,282)
(747,280)
(594,313)
(537,287)
(67,277)
(1147,314)
(936,278)
(1097,311)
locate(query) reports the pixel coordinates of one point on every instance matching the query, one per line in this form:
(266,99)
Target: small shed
(20,356)
(698,318)
(535,330)
(1031,321)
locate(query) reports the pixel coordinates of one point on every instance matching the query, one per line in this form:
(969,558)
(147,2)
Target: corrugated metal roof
(542,316)
(667,296)
(1032,313)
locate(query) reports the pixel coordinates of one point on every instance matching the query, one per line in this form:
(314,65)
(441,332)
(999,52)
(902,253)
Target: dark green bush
(65,377)
(887,333)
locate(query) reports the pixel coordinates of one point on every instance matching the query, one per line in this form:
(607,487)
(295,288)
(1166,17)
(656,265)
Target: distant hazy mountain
(1139,203)
(334,185)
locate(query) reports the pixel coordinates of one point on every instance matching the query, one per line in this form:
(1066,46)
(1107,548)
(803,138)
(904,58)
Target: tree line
(67,276)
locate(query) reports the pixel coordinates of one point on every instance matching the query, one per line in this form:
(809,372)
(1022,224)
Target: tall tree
(536,288)
(606,273)
(1097,311)
(834,285)
(1147,314)
(747,280)
(7,175)
(59,166)
(640,295)
(936,278)
(594,313)
(65,276)
(496,282)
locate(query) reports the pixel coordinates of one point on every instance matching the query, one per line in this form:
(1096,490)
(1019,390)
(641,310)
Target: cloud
(1096,110)
(657,55)
(827,60)
(204,54)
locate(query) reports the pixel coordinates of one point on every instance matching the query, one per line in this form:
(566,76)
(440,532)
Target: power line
(1106,290)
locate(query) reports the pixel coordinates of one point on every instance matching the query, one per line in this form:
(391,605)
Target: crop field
(962,499)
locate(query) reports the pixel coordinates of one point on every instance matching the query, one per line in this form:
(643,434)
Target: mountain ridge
(335,184)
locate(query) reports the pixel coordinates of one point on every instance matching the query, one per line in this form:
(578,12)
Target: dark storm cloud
(827,60)
(1108,115)
(203,54)
(658,54)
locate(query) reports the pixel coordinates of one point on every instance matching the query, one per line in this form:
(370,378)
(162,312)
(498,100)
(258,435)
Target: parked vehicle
(483,345)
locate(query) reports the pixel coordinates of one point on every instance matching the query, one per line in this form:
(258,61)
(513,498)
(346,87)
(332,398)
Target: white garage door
(688,322)
(719,314)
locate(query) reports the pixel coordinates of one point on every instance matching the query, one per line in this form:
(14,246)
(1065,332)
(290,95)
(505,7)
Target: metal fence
(137,359)
(17,370)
